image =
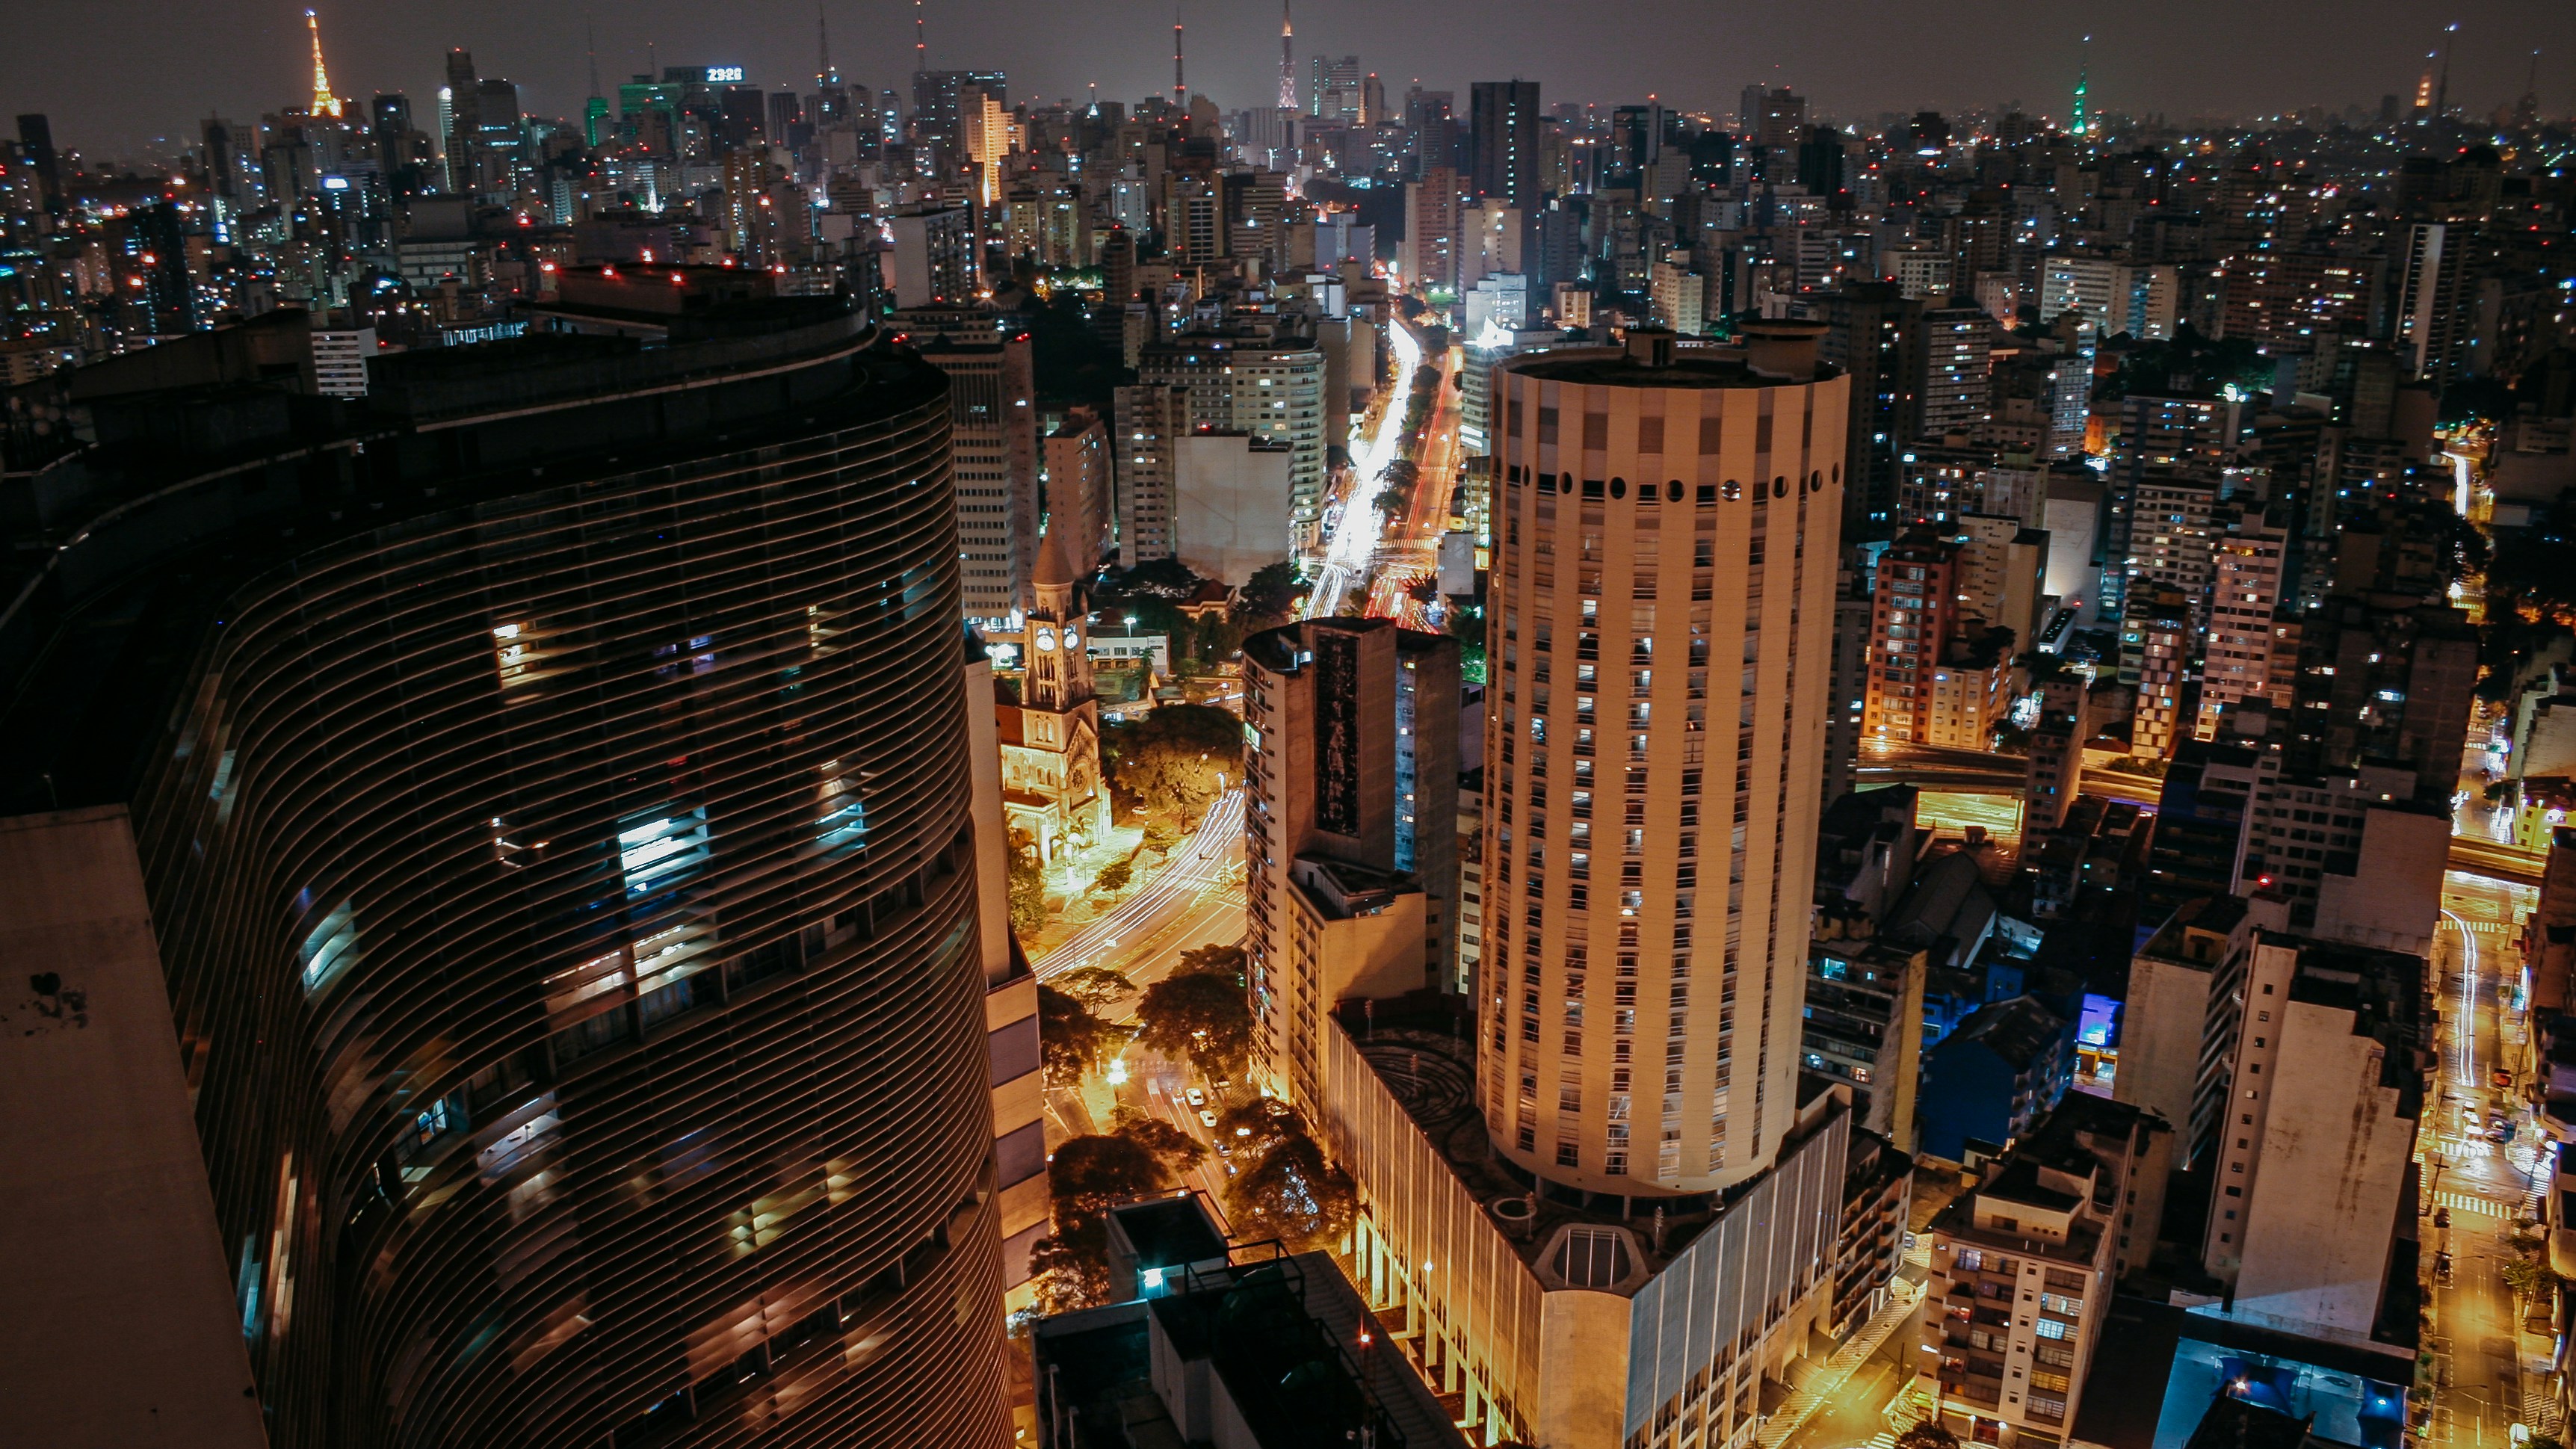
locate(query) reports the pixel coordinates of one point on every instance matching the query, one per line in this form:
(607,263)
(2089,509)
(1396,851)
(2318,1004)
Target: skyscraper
(1642,1028)
(1610,1202)
(1505,120)
(538,897)
(1147,425)
(464,123)
(1350,834)
(36,134)
(993,416)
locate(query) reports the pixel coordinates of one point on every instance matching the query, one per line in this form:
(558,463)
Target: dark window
(1014,1050)
(1020,1155)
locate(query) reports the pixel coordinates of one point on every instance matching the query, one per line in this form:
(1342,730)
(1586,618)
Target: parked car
(1207,1118)
(1197,1097)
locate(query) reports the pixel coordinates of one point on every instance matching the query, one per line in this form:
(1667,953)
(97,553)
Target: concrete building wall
(2330,1172)
(1414,1211)
(123,1325)
(1231,509)
(2393,897)
(2161,1031)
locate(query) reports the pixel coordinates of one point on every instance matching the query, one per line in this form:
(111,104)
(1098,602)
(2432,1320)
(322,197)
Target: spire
(324,103)
(920,40)
(1287,60)
(824,76)
(1180,91)
(590,30)
(1053,569)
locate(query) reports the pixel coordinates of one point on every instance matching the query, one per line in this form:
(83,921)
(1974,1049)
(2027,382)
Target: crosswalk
(2461,1202)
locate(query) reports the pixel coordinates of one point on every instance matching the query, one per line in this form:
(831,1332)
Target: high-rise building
(1078,497)
(992,407)
(939,99)
(2024,1265)
(937,258)
(526,912)
(36,138)
(1505,118)
(2382,679)
(2239,660)
(1333,89)
(1914,616)
(2427,299)
(464,124)
(1948,372)
(1489,244)
(2116,297)
(2320,1085)
(1148,423)
(1350,827)
(1772,119)
(1672,874)
(2156,645)
(1270,388)
(1430,259)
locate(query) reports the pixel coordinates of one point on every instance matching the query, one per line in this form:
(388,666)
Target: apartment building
(2024,1266)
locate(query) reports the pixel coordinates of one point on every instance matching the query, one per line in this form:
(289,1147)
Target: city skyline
(1856,61)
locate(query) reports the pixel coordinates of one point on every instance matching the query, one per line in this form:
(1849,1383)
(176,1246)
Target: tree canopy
(1285,1188)
(1027,886)
(1177,1150)
(1271,594)
(1214,960)
(1176,760)
(1199,1017)
(1071,1040)
(1096,987)
(1087,1177)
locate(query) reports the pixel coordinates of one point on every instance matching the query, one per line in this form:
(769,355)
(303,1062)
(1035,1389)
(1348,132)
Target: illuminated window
(330,948)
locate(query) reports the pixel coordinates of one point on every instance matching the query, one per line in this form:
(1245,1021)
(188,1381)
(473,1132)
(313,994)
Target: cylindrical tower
(1660,639)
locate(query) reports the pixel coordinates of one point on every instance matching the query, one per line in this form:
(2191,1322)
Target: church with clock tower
(1051,782)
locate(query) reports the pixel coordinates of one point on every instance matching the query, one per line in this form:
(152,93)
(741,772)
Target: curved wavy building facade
(550,783)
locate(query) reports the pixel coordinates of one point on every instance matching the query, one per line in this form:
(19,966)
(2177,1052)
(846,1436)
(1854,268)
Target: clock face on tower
(1046,639)
(1072,640)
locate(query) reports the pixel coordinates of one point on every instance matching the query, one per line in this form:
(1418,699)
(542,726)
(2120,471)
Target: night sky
(114,72)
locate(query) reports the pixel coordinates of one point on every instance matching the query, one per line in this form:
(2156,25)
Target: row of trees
(1284,1187)
(1197,1014)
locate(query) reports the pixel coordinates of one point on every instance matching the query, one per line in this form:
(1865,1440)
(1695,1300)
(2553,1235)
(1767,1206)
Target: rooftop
(1304,1362)
(207,468)
(1422,1048)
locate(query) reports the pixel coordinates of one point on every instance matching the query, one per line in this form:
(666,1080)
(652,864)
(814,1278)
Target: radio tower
(324,103)
(2082,124)
(1287,60)
(1180,92)
(824,74)
(920,40)
(2441,88)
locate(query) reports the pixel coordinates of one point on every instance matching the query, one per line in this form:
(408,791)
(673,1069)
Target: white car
(1207,1118)
(1197,1097)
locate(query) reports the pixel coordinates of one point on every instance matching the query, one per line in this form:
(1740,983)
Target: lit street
(1352,533)
(2483,1361)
